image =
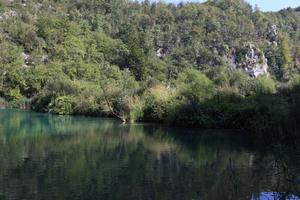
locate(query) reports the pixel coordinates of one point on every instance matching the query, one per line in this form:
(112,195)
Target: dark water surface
(48,157)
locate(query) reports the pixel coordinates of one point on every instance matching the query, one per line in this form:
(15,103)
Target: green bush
(194,85)
(15,98)
(264,85)
(220,75)
(87,105)
(190,114)
(136,109)
(294,82)
(157,102)
(258,86)
(3,103)
(62,105)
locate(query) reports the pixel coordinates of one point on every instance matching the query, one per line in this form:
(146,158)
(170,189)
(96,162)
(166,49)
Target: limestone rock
(254,62)
(8,15)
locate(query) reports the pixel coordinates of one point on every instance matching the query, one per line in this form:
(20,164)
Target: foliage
(194,85)
(62,105)
(157,102)
(147,61)
(265,85)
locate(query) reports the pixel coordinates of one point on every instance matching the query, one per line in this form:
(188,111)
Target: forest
(218,64)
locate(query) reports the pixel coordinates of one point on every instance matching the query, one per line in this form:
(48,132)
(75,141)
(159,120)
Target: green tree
(286,58)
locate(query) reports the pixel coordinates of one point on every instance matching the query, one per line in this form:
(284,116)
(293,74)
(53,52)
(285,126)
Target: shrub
(63,87)
(136,109)
(3,103)
(230,94)
(264,85)
(87,105)
(190,114)
(62,105)
(220,75)
(294,82)
(157,102)
(15,98)
(194,85)
(258,86)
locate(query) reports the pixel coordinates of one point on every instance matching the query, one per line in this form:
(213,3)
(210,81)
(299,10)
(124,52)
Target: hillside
(193,63)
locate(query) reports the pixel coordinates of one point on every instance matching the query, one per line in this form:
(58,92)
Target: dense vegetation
(214,64)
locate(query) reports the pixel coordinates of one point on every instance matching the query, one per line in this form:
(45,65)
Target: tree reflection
(52,157)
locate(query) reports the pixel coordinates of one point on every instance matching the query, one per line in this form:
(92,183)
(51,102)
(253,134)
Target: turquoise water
(59,157)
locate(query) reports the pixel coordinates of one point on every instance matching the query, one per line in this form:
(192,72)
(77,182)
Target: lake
(61,157)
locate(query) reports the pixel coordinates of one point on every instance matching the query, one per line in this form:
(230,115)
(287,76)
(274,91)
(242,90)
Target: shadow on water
(53,157)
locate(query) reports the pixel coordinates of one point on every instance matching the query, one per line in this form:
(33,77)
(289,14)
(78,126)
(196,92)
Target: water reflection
(54,157)
(275,195)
